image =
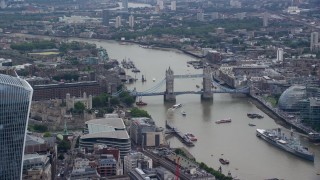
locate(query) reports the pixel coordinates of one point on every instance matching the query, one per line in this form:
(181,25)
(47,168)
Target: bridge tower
(169,93)
(207,84)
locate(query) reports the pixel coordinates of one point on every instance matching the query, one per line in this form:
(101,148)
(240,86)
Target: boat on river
(289,144)
(254,115)
(224,121)
(191,136)
(224,161)
(250,124)
(176,106)
(141,103)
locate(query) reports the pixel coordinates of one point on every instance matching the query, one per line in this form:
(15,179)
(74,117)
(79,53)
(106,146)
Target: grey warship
(289,144)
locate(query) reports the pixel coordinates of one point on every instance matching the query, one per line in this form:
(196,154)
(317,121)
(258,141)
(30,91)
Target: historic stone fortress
(55,112)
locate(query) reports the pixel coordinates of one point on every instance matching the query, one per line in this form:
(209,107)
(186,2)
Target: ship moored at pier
(289,144)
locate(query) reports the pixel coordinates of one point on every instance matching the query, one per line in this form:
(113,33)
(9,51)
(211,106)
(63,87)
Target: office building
(118,22)
(125,5)
(5,62)
(131,21)
(173,6)
(160,4)
(59,91)
(200,16)
(280,54)
(15,101)
(215,15)
(36,166)
(310,111)
(136,160)
(105,17)
(107,131)
(314,41)
(143,131)
(3,4)
(85,173)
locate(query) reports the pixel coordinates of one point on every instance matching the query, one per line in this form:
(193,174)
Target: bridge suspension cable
(154,88)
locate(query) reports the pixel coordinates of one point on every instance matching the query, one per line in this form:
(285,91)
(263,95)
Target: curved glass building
(15,101)
(289,99)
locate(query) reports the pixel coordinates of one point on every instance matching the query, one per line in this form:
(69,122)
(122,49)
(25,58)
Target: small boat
(191,137)
(183,113)
(177,106)
(223,121)
(254,115)
(250,124)
(197,86)
(224,161)
(141,103)
(135,70)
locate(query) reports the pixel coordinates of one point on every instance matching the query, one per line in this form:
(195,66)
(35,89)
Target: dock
(179,135)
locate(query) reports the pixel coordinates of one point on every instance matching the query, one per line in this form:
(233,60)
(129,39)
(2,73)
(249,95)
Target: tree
(61,157)
(136,112)
(129,100)
(64,146)
(114,101)
(47,134)
(40,128)
(79,107)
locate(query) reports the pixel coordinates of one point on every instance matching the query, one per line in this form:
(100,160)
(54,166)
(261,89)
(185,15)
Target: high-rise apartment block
(314,41)
(15,101)
(131,21)
(173,5)
(118,21)
(280,54)
(265,19)
(3,4)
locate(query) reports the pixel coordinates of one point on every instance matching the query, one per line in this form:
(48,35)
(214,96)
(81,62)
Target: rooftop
(113,134)
(33,140)
(143,121)
(117,123)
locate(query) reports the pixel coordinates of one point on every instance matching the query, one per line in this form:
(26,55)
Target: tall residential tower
(131,21)
(314,41)
(15,101)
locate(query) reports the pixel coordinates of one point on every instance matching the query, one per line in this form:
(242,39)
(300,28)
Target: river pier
(181,136)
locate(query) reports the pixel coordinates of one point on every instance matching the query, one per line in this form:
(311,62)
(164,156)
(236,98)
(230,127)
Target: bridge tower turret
(169,93)
(207,84)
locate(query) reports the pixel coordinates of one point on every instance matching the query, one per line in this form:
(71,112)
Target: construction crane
(177,169)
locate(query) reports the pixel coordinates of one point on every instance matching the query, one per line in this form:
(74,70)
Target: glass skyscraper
(15,101)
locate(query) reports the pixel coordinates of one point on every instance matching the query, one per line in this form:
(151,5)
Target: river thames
(250,157)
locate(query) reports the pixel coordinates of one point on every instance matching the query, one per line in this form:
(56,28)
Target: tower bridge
(170,95)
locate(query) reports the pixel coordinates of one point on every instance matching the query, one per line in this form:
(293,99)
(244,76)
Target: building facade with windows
(15,101)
